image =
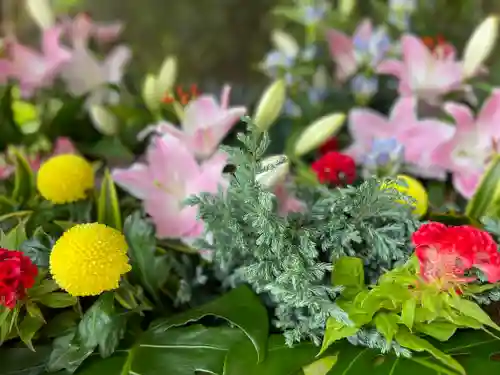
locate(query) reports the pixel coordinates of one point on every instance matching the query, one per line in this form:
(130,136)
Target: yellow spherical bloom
(89,259)
(65,179)
(415,190)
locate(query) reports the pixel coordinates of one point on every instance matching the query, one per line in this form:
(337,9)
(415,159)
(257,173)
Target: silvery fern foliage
(288,260)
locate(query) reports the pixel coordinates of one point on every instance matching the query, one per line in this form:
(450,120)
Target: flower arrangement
(137,236)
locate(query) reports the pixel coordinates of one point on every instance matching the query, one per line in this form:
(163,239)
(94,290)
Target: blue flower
(384,159)
(313,14)
(364,87)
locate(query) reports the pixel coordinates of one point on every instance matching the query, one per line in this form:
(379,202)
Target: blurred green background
(218,41)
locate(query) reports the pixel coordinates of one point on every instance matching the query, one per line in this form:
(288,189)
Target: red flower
(335,168)
(446,253)
(17,273)
(331,145)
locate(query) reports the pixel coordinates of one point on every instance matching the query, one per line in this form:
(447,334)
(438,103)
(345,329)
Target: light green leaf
(406,339)
(350,273)
(241,307)
(472,310)
(336,331)
(57,300)
(45,287)
(24,180)
(408,313)
(108,208)
(321,366)
(34,311)
(441,331)
(14,238)
(9,318)
(387,324)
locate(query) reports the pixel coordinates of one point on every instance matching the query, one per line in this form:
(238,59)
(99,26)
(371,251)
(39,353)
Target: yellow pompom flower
(415,190)
(65,179)
(89,259)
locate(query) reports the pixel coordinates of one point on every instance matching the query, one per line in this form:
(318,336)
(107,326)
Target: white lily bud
(168,74)
(104,121)
(270,105)
(479,46)
(41,12)
(285,43)
(150,93)
(318,133)
(278,170)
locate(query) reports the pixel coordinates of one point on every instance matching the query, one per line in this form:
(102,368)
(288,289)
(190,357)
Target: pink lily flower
(419,137)
(84,73)
(367,46)
(81,28)
(425,73)
(473,144)
(170,175)
(33,69)
(205,123)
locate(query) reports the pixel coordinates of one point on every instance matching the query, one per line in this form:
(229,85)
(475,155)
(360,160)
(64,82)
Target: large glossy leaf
(23,361)
(280,360)
(184,351)
(149,269)
(241,307)
(474,350)
(108,208)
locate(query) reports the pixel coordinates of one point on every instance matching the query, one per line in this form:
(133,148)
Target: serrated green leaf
(108,208)
(336,331)
(142,252)
(408,340)
(387,324)
(241,307)
(441,331)
(408,313)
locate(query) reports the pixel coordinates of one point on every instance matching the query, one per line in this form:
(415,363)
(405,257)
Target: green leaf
(102,326)
(408,313)
(487,191)
(11,134)
(336,331)
(66,355)
(387,324)
(9,318)
(46,286)
(24,180)
(280,360)
(349,272)
(28,328)
(472,310)
(184,351)
(108,208)
(321,366)
(406,339)
(240,307)
(38,249)
(23,361)
(57,300)
(142,248)
(34,311)
(115,365)
(62,324)
(441,331)
(14,238)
